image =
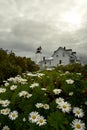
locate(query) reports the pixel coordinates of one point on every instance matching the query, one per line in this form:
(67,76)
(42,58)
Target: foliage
(11,65)
(39,93)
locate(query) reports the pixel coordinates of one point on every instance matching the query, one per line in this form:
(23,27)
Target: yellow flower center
(64,106)
(78,126)
(6,128)
(13,115)
(45,106)
(78,112)
(33,117)
(41,121)
(6,103)
(3,111)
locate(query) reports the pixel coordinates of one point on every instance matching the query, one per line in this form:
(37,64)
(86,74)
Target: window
(45,63)
(60,61)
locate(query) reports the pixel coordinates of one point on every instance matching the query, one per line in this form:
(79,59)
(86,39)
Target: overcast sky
(27,24)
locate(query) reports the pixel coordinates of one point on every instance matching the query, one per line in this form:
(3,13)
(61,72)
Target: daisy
(71,93)
(33,117)
(65,107)
(23,81)
(59,100)
(39,105)
(5,103)
(78,124)
(13,115)
(29,95)
(67,72)
(13,87)
(46,106)
(70,81)
(43,89)
(78,112)
(5,111)
(24,94)
(11,79)
(6,84)
(41,121)
(30,74)
(34,85)
(2,90)
(5,128)
(78,73)
(85,102)
(57,91)
(24,119)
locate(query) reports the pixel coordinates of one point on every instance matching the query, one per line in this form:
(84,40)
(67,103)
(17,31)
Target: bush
(11,65)
(45,100)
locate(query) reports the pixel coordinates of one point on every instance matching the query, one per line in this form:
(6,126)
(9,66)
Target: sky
(27,24)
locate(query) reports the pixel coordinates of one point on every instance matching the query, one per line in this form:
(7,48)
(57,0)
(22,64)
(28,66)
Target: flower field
(44,100)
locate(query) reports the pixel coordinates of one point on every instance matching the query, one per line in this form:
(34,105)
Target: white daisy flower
(78,73)
(19,79)
(5,128)
(44,89)
(70,81)
(67,72)
(78,124)
(5,111)
(13,87)
(24,94)
(57,91)
(5,103)
(24,119)
(11,79)
(39,105)
(65,107)
(41,121)
(23,81)
(29,95)
(85,103)
(6,84)
(30,74)
(46,106)
(2,90)
(33,117)
(78,112)
(49,69)
(13,115)
(70,93)
(59,100)
(34,85)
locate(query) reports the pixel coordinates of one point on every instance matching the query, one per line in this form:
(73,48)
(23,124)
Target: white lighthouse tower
(38,56)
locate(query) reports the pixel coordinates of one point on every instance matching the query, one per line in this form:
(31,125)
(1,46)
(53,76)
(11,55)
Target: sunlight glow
(72,19)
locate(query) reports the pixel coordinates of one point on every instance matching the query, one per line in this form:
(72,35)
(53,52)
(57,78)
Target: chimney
(64,48)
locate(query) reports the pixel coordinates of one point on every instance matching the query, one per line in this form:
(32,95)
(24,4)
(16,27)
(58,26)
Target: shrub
(44,100)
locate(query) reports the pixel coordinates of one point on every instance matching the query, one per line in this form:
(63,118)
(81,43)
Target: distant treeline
(12,65)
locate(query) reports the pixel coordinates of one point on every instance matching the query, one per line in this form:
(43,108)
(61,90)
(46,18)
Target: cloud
(25,25)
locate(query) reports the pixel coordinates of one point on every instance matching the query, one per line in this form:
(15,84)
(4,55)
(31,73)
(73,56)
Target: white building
(60,56)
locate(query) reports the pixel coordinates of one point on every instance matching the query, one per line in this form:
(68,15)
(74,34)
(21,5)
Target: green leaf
(57,120)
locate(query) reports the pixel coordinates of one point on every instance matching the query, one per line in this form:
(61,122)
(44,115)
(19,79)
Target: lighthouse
(38,54)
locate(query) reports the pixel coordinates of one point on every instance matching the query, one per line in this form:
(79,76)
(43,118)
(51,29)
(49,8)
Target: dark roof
(68,49)
(73,52)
